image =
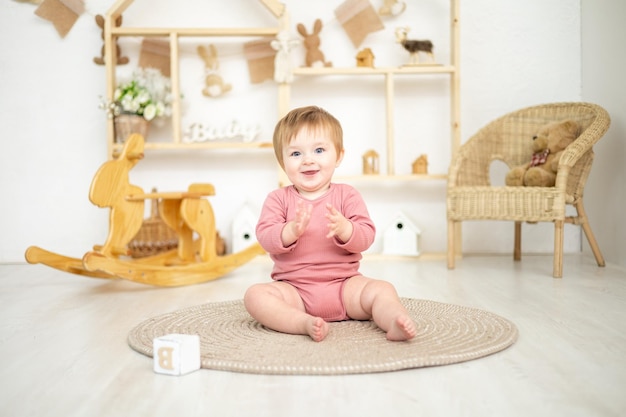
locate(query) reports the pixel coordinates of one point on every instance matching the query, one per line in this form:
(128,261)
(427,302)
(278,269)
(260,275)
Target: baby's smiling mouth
(311,172)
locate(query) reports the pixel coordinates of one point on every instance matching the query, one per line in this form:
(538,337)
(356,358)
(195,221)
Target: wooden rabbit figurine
(215,85)
(121,60)
(314,57)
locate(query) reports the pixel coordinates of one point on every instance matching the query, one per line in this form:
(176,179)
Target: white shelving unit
(112,33)
(388,75)
(389,78)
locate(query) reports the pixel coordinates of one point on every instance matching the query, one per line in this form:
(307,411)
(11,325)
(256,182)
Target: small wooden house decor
(365,58)
(371,161)
(243,228)
(420,165)
(401,237)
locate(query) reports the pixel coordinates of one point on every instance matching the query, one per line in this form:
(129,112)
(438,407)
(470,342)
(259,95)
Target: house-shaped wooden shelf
(111,33)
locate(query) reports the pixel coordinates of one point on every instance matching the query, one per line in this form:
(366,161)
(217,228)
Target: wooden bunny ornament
(314,57)
(121,60)
(215,85)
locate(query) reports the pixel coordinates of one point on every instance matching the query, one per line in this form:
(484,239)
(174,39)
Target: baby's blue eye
(319,150)
(295,153)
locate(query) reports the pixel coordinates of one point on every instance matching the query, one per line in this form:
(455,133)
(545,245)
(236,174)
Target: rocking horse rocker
(187,213)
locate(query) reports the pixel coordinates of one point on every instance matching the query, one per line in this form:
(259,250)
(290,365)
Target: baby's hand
(303,215)
(338,225)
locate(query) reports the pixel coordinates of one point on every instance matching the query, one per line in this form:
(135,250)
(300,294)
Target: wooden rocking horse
(188,213)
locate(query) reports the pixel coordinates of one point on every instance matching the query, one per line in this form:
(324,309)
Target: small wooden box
(176,354)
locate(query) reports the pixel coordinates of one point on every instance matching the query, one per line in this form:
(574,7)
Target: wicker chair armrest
(586,140)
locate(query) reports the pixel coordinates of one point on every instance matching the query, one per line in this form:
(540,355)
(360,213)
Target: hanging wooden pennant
(260,56)
(62,13)
(358,18)
(155,53)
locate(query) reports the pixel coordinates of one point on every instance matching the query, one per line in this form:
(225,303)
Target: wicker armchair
(471,197)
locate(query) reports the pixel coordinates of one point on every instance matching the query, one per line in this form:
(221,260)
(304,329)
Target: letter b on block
(176,354)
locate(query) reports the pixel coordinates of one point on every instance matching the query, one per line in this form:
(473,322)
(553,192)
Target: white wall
(603,82)
(513,54)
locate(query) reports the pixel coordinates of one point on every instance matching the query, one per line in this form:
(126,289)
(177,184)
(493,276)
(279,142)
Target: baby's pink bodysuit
(315,265)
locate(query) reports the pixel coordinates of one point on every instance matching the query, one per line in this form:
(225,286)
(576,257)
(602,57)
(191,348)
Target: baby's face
(310,160)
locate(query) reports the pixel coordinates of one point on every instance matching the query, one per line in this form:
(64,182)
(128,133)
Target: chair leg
(557,271)
(451,244)
(584,222)
(517,242)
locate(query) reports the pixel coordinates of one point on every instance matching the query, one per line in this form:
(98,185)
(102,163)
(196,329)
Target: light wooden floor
(64,352)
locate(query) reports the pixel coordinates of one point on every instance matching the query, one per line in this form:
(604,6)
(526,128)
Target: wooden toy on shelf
(414,47)
(371,162)
(188,213)
(420,165)
(365,58)
(314,56)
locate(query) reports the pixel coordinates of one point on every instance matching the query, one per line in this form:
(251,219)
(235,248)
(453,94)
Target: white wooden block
(176,354)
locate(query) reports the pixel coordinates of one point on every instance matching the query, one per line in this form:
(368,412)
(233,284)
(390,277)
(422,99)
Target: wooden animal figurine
(414,46)
(314,56)
(283,67)
(215,85)
(392,8)
(121,60)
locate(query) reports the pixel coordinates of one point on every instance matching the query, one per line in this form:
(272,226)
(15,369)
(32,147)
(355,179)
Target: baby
(315,230)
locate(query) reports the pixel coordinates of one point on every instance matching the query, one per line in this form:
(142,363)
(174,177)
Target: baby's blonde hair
(312,117)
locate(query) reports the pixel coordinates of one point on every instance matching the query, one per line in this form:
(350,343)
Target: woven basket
(154,236)
(127,124)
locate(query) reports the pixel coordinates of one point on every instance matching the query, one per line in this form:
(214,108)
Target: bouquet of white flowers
(147,94)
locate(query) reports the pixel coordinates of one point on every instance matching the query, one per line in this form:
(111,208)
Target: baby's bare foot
(402,328)
(317,328)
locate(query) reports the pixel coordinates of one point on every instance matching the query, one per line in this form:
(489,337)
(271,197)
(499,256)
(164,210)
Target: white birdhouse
(243,228)
(401,237)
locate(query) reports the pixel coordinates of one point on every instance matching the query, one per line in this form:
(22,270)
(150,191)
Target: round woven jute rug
(231,340)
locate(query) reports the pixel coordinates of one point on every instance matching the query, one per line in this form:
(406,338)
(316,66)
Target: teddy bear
(548,145)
